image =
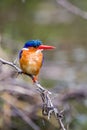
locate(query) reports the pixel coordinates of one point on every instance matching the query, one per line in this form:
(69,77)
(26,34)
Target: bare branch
(16,89)
(11,64)
(72,8)
(75,95)
(48,107)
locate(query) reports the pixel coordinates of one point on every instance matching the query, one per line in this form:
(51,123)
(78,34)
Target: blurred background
(62,23)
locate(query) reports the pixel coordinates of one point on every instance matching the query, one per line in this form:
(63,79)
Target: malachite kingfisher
(31,57)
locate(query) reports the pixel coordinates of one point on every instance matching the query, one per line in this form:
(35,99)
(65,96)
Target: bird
(31,57)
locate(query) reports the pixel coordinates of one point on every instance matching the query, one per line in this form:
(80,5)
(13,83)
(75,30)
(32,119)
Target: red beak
(46,47)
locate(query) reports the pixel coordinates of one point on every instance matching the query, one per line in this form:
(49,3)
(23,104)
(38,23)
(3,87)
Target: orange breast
(31,61)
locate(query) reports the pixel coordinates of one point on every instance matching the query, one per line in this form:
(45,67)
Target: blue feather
(32,43)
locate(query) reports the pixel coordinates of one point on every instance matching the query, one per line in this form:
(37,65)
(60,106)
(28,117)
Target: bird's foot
(34,78)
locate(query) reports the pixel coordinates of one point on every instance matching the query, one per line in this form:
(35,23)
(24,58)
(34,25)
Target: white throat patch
(25,48)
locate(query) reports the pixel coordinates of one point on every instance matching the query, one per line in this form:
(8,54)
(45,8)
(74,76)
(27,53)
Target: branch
(78,95)
(20,113)
(11,64)
(72,8)
(17,89)
(48,108)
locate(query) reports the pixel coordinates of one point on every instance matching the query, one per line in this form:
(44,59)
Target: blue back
(32,43)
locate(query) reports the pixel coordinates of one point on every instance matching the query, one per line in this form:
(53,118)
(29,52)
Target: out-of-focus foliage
(65,68)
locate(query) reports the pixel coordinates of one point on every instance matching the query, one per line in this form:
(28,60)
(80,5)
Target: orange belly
(31,61)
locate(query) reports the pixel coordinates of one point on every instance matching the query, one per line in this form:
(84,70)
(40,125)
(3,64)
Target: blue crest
(32,43)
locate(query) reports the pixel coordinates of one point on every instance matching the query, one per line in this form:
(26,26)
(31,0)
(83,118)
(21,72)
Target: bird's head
(37,44)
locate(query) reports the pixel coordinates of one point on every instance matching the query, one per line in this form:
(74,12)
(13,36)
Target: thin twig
(72,8)
(48,107)
(11,64)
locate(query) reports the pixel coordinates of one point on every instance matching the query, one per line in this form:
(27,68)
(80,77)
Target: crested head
(32,43)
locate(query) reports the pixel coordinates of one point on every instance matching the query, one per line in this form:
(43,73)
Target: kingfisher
(31,57)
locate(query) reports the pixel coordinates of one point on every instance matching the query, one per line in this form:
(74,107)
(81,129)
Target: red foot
(34,79)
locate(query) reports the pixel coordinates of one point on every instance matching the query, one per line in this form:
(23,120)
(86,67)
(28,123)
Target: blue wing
(20,53)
